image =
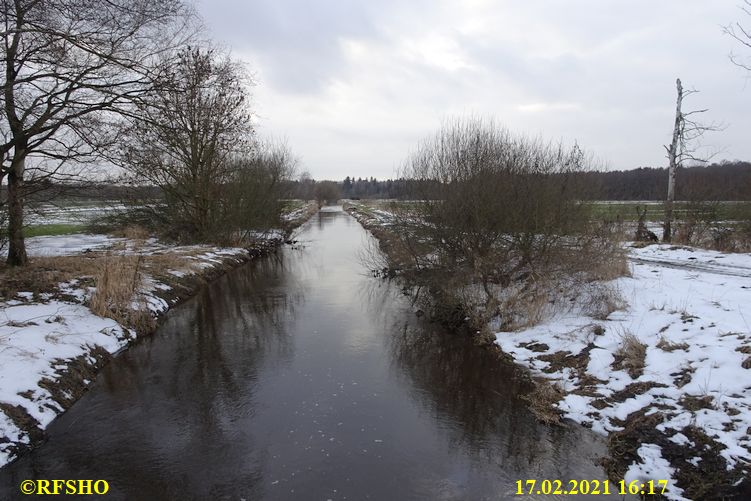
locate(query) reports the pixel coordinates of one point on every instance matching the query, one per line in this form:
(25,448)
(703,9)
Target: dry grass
(666,345)
(527,307)
(534,309)
(116,278)
(117,281)
(696,402)
(630,355)
(543,399)
(44,274)
(159,263)
(135,232)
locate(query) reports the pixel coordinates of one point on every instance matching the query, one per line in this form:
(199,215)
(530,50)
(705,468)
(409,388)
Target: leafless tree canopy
(742,35)
(70,67)
(252,200)
(184,135)
(493,192)
(495,208)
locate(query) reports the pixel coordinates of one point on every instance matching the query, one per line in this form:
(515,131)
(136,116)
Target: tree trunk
(673,159)
(16,246)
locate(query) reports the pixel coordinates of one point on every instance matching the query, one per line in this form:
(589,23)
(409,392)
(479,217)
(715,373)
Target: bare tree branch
(69,68)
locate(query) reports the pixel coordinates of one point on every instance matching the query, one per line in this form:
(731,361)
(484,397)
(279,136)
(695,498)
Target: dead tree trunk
(673,164)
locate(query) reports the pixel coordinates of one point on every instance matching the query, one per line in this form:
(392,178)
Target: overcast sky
(354,84)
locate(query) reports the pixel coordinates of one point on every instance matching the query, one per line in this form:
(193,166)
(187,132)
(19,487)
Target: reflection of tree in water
(325,217)
(239,323)
(475,396)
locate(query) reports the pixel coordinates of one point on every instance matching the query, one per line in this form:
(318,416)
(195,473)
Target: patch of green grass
(52,229)
(726,211)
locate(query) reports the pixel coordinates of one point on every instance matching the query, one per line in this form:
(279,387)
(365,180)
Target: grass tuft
(117,280)
(630,355)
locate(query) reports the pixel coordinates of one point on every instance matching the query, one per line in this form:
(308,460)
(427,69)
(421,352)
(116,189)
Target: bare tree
(68,67)
(186,135)
(683,147)
(742,35)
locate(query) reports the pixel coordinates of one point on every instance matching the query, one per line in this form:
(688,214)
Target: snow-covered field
(76,213)
(691,308)
(66,245)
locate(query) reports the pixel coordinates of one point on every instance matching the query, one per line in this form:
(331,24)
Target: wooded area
(728,180)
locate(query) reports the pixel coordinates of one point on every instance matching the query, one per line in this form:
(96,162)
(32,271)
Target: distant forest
(720,181)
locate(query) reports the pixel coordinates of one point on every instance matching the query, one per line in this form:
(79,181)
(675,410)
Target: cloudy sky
(353,84)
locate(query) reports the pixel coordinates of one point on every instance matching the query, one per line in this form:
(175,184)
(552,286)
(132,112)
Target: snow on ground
(66,245)
(76,213)
(34,338)
(690,307)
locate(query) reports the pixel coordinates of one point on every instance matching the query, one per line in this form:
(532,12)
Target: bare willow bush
(495,209)
(252,200)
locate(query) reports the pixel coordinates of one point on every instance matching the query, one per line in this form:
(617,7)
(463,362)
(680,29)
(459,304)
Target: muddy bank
(55,345)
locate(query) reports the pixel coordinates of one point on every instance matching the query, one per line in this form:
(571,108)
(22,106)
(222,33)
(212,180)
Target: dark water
(299,377)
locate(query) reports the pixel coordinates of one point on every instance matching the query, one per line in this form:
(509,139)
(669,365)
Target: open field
(76,211)
(38,230)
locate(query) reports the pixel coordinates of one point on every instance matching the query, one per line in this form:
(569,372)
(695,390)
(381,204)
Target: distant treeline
(720,181)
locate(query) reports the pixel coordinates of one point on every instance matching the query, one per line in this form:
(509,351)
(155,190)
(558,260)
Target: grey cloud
(601,72)
(296,42)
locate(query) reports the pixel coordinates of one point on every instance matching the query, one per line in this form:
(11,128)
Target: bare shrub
(600,300)
(630,355)
(116,296)
(327,192)
(495,209)
(251,202)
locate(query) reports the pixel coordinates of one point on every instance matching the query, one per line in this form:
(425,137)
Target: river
(299,376)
